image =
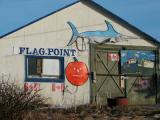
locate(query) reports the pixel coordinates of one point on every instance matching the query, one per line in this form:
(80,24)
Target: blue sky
(17,13)
(144,14)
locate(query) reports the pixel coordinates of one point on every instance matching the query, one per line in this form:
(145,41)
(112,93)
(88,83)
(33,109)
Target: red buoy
(77,73)
(122,101)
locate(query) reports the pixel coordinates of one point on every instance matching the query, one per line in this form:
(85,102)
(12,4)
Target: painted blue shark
(96,36)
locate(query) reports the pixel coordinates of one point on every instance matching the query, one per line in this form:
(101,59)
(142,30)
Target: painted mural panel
(137,62)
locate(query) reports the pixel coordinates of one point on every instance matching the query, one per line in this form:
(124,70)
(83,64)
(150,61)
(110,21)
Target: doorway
(116,75)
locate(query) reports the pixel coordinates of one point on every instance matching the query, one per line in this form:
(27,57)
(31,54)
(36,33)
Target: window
(44,69)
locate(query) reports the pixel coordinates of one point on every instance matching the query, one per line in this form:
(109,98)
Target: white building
(37,55)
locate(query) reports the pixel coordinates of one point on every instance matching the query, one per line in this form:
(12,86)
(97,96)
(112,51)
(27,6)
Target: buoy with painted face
(77,73)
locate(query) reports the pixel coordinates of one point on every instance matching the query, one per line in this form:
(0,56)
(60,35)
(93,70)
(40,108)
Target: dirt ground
(90,112)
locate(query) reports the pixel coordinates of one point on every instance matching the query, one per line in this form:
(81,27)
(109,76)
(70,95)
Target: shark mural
(94,36)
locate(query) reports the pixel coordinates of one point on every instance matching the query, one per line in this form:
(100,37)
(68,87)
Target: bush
(15,101)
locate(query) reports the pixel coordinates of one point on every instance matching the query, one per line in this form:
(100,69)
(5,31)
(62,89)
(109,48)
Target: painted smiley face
(77,73)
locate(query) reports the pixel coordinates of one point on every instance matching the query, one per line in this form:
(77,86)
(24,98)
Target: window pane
(39,66)
(51,68)
(32,67)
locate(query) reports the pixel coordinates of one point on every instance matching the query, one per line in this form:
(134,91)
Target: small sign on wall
(144,84)
(113,57)
(57,87)
(32,86)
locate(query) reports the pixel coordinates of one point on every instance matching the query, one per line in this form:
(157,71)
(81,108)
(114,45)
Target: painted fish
(96,36)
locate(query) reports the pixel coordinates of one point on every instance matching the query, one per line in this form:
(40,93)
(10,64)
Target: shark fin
(74,34)
(109,26)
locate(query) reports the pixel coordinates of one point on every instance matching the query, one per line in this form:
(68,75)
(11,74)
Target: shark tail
(74,34)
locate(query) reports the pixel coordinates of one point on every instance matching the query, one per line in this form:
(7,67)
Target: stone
(83,114)
(123,118)
(156,116)
(106,117)
(139,118)
(95,115)
(89,118)
(115,112)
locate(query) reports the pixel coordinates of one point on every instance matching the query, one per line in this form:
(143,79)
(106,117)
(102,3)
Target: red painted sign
(77,73)
(32,86)
(58,87)
(113,57)
(144,84)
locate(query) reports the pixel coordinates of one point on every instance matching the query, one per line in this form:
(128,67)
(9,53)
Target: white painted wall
(12,68)
(54,32)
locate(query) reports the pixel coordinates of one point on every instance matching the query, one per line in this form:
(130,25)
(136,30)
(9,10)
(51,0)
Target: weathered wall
(12,68)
